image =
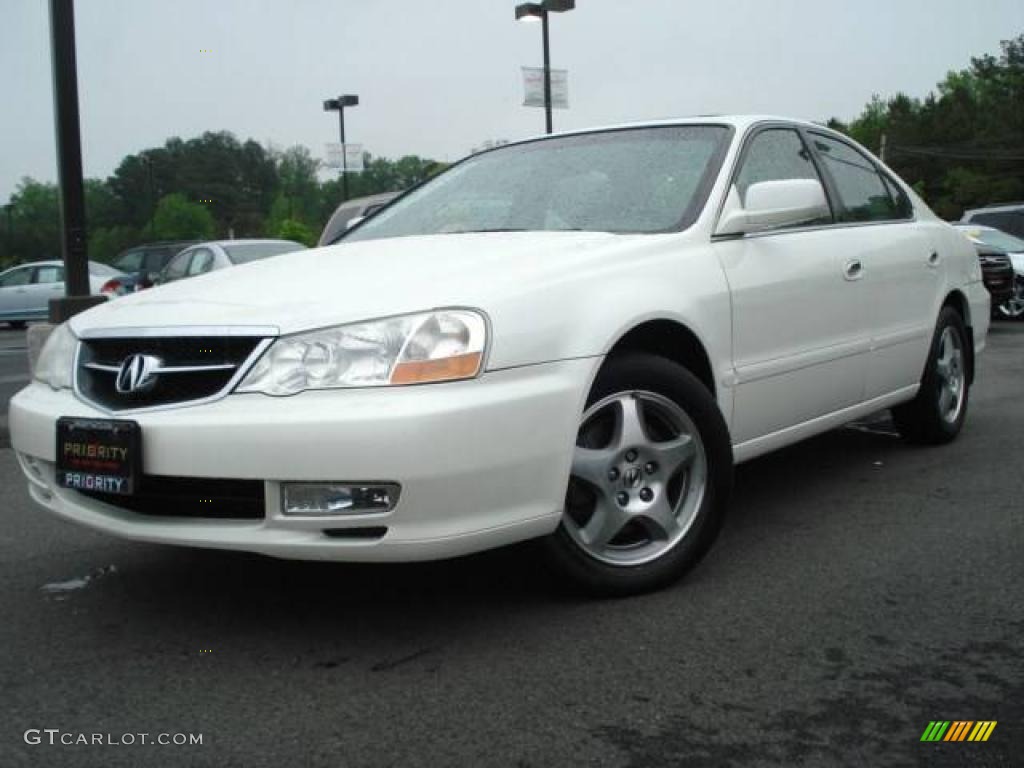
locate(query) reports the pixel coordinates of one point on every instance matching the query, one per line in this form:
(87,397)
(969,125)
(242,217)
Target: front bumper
(481,463)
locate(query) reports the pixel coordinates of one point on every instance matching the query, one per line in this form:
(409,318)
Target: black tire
(627,373)
(17,325)
(921,420)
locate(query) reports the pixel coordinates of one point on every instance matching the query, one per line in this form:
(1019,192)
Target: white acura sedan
(572,338)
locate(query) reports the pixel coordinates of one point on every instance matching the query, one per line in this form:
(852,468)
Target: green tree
(178,219)
(292,229)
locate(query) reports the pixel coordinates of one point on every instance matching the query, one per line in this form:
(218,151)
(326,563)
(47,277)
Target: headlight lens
(56,362)
(444,345)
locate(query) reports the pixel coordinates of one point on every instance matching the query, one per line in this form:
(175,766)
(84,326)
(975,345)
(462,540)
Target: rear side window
(863,195)
(179,264)
(49,274)
(202,261)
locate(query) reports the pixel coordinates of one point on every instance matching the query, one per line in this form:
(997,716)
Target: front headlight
(56,363)
(444,345)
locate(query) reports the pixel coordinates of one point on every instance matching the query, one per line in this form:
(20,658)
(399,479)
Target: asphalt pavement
(861,589)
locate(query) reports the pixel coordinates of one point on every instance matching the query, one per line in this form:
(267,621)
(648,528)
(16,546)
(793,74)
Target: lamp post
(339,104)
(539,12)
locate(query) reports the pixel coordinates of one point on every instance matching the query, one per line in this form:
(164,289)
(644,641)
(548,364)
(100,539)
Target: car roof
(244,241)
(739,122)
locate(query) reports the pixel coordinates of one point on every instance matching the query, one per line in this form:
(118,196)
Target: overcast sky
(438,77)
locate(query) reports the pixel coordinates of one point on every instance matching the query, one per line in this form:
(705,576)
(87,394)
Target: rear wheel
(937,414)
(650,479)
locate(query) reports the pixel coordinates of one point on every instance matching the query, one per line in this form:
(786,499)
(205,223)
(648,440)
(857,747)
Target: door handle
(933,260)
(853,270)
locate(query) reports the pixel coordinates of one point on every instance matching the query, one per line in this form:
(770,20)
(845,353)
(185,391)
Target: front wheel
(937,414)
(1013,308)
(650,479)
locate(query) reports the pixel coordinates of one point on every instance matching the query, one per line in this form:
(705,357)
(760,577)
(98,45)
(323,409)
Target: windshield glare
(998,239)
(633,180)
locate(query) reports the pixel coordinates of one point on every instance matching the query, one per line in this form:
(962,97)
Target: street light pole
(547,72)
(339,104)
(69,164)
(540,12)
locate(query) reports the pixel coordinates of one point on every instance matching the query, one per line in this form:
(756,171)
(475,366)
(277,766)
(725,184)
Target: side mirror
(773,204)
(353,221)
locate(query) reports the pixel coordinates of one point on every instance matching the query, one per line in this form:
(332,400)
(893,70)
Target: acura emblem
(137,374)
(632,477)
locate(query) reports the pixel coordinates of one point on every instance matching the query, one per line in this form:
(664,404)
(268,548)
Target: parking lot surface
(861,588)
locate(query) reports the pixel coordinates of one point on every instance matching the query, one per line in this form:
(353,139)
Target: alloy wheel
(951,375)
(638,477)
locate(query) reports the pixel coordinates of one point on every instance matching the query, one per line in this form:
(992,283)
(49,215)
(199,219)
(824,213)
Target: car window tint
(49,274)
(130,262)
(775,155)
(16,277)
(902,207)
(863,195)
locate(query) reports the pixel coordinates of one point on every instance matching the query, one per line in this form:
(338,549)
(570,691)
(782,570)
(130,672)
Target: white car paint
(795,347)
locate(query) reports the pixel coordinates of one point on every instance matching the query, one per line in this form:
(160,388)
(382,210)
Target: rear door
(800,342)
(899,263)
(47,283)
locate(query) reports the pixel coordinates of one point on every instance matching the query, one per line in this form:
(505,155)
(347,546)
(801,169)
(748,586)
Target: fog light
(338,498)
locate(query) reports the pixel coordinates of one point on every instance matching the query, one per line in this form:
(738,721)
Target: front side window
(16,277)
(49,274)
(775,154)
(636,180)
(863,195)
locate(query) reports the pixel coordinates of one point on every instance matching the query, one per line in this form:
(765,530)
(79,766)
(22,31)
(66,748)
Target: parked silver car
(26,290)
(349,211)
(219,254)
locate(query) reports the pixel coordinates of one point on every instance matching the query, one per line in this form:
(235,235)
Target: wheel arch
(672,340)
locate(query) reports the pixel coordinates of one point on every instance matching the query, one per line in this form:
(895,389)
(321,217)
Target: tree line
(212,186)
(960,146)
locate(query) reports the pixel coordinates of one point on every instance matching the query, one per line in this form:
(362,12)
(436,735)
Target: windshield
(246,252)
(997,239)
(633,180)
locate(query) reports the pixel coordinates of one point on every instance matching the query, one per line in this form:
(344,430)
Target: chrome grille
(176,369)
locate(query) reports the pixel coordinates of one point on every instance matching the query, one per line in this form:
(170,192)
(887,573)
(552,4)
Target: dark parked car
(347,212)
(1002,265)
(142,263)
(1008,217)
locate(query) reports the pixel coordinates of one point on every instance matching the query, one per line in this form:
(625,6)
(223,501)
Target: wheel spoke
(660,519)
(672,454)
(631,431)
(604,524)
(591,465)
(946,400)
(943,369)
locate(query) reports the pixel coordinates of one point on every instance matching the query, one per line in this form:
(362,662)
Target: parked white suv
(572,338)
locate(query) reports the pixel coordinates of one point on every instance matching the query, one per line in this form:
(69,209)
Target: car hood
(350,282)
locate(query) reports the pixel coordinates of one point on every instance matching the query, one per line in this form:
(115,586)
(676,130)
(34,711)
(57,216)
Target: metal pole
(882,150)
(152,199)
(547,72)
(344,154)
(69,160)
